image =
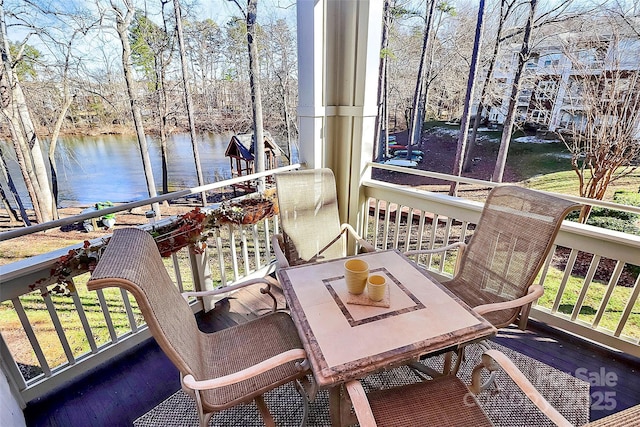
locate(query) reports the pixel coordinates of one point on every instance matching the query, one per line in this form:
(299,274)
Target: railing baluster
(256,246)
(396,229)
(627,309)
(245,249)
(85,322)
(267,241)
(605,299)
(432,238)
(593,267)
(387,216)
(445,242)
(55,319)
(420,233)
(31,335)
(376,223)
(407,239)
(176,270)
(234,254)
(127,307)
(107,316)
(221,266)
(565,278)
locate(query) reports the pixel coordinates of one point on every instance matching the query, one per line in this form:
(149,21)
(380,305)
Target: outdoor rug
(508,407)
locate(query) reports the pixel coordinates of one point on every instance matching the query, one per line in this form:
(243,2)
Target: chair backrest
(308,206)
(131,261)
(510,244)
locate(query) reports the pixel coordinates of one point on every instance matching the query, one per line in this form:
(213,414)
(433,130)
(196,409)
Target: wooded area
(158,67)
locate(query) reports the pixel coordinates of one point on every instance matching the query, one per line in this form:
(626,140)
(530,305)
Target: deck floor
(117,393)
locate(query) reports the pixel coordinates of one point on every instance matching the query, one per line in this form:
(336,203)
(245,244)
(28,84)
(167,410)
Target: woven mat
(509,407)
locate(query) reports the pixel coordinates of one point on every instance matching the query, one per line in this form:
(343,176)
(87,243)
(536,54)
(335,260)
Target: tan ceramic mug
(356,272)
(376,287)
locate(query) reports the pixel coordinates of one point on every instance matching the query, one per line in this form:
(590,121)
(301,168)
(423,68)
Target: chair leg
(491,381)
(264,412)
(305,402)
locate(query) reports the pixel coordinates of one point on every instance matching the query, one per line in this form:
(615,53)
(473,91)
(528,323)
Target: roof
(242,146)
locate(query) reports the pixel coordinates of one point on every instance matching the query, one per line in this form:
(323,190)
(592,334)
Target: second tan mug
(376,287)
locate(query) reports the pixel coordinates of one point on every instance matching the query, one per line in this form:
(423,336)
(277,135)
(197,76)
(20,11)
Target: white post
(311,53)
(338,55)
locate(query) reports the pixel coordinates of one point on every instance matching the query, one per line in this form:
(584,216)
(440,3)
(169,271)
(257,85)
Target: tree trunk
(466,115)
(256,97)
(13,107)
(382,122)
(123,22)
(187,98)
(468,162)
(501,161)
(414,126)
(66,103)
(14,192)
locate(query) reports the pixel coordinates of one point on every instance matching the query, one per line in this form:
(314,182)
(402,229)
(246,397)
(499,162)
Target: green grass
(567,183)
(613,311)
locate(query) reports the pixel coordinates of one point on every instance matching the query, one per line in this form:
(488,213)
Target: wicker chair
(496,270)
(311,227)
(221,369)
(445,401)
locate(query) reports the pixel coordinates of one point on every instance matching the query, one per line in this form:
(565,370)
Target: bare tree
(602,118)
(123,23)
(250,15)
(466,115)
(187,97)
(523,57)
(15,111)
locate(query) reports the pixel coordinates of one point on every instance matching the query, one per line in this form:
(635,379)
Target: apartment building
(567,74)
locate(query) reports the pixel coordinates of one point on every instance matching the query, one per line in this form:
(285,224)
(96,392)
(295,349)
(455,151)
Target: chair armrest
(252,371)
(489,360)
(456,245)
(266,280)
(535,292)
(277,242)
(360,404)
(368,247)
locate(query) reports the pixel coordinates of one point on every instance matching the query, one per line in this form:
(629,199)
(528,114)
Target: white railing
(399,217)
(39,320)
(600,302)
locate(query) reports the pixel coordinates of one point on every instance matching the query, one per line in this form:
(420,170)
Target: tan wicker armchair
(311,229)
(445,401)
(496,270)
(221,369)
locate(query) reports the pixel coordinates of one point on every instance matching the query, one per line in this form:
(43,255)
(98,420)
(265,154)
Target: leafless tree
(15,112)
(602,116)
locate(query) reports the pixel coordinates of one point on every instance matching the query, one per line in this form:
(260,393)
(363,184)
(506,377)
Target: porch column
(343,78)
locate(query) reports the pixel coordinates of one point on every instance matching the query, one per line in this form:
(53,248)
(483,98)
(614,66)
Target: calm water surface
(109,167)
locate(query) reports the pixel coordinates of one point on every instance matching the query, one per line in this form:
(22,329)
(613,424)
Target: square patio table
(347,341)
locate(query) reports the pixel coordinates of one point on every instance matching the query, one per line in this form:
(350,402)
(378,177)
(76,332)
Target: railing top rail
(19,232)
(489,184)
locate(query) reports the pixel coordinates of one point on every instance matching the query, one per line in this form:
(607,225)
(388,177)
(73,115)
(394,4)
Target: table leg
(334,405)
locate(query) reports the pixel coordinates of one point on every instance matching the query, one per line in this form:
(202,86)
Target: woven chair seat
(262,338)
(444,401)
(627,418)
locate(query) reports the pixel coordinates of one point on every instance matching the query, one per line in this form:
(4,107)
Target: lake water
(109,167)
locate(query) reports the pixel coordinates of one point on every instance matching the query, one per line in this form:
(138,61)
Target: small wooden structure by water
(241,150)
